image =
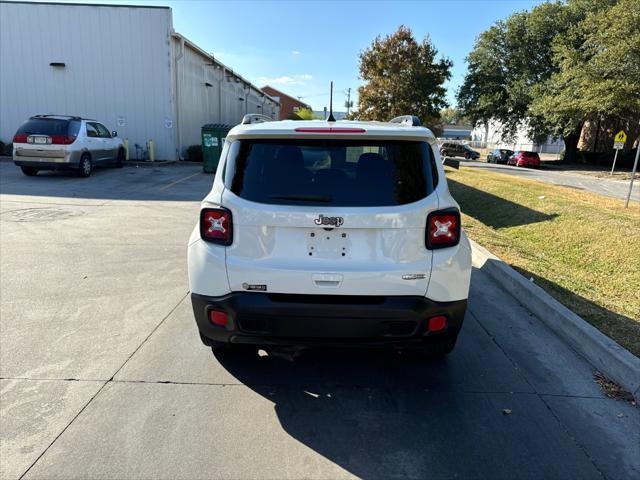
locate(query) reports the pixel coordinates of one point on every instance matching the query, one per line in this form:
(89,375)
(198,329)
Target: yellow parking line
(178,181)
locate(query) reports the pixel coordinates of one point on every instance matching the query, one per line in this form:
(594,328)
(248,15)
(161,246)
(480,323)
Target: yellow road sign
(620,137)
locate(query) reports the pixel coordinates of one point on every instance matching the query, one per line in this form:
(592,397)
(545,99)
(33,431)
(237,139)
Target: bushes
(6,148)
(625,158)
(194,153)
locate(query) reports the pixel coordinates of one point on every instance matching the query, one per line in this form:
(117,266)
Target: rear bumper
(70,159)
(46,165)
(283,319)
(528,164)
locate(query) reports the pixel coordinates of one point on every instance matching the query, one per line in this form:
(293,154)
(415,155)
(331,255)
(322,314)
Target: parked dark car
(458,150)
(499,155)
(525,159)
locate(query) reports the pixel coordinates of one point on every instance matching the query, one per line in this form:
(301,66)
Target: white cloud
(295,52)
(286,80)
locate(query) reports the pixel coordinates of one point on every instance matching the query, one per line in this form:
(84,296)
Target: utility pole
(348,104)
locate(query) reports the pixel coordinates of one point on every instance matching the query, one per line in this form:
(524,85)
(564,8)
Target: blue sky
(299,46)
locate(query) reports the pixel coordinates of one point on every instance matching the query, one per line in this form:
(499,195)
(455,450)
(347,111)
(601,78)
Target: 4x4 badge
(335,221)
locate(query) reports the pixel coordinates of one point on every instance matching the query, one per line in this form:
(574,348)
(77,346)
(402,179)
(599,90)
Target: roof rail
(410,120)
(255,118)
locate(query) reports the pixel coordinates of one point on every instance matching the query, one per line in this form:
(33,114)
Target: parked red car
(525,159)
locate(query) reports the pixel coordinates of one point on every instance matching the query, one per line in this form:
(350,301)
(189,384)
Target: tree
(303,114)
(598,71)
(402,77)
(306,114)
(452,116)
(512,65)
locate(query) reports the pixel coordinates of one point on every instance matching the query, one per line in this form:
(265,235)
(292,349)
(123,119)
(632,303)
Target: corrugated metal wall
(118,66)
(124,67)
(202,84)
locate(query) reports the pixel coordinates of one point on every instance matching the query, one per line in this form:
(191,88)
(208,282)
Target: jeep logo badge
(334,221)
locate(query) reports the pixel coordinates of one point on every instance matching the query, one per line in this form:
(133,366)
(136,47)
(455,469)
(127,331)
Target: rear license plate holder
(328,244)
(39,140)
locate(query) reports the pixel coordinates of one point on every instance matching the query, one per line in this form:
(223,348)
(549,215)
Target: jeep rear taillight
(216,225)
(443,229)
(19,138)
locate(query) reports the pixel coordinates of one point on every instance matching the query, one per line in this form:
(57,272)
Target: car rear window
(49,126)
(331,172)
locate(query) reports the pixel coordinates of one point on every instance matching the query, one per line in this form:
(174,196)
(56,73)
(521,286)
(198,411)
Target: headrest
(373,165)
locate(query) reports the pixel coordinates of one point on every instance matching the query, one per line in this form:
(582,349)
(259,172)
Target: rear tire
(29,171)
(120,159)
(85,167)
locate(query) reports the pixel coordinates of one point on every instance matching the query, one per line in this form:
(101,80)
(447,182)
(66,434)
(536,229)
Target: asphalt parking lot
(103,374)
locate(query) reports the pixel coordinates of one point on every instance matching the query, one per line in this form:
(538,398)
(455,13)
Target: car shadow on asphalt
(383,414)
(492,210)
(154,183)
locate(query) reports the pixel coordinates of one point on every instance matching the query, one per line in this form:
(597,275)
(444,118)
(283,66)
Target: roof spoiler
(409,120)
(255,118)
(70,117)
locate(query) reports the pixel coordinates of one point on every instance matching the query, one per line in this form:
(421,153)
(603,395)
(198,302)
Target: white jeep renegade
(338,233)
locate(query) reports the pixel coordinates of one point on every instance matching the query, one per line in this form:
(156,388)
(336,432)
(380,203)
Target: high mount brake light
(329,130)
(216,226)
(443,229)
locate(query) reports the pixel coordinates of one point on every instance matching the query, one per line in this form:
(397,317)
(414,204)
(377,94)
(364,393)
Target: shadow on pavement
(492,210)
(380,414)
(170,182)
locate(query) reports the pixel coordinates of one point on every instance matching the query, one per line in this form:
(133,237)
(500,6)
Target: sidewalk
(597,171)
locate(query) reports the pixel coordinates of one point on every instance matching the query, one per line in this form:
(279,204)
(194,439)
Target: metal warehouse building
(122,65)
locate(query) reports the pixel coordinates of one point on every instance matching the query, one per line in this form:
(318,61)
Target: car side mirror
(451,162)
(114,134)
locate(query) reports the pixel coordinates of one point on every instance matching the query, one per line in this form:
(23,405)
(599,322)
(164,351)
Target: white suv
(340,233)
(56,142)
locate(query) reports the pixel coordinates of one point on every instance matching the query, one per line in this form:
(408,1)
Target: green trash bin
(213,135)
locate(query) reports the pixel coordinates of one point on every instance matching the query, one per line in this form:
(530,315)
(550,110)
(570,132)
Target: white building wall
(197,102)
(490,135)
(206,91)
(118,65)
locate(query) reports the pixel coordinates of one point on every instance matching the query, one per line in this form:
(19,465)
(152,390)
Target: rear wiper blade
(304,198)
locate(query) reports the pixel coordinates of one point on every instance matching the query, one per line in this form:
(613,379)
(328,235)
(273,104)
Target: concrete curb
(602,352)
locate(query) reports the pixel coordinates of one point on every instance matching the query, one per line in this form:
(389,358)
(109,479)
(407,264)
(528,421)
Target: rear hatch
(45,137)
(329,216)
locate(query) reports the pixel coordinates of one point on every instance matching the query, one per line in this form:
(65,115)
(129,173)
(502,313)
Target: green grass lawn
(582,248)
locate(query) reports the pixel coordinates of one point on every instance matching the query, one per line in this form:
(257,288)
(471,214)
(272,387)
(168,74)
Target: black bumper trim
(46,165)
(288,319)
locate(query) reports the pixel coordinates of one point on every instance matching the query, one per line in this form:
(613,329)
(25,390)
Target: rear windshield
(331,172)
(49,126)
